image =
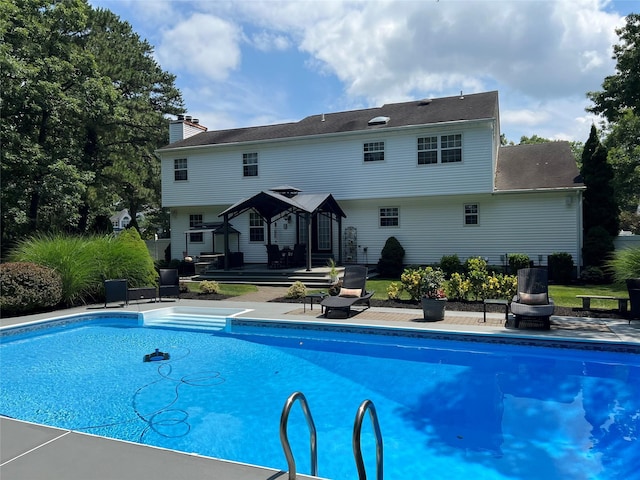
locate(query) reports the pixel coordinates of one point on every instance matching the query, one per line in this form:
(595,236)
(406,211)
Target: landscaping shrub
(394,290)
(501,286)
(518,261)
(457,288)
(209,286)
(561,267)
(593,275)
(390,263)
(27,287)
(451,264)
(477,274)
(625,264)
(84,263)
(296,290)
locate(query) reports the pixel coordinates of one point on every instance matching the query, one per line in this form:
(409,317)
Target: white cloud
(202,45)
(541,55)
(267,41)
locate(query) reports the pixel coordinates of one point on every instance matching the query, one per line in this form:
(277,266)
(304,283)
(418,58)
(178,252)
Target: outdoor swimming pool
(447,408)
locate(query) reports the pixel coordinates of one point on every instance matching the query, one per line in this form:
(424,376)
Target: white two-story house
(429,172)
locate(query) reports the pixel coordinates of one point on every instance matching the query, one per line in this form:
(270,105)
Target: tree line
(84,106)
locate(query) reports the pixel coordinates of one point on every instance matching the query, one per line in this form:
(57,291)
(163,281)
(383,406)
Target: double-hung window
(256,228)
(471,214)
(195,221)
(427,150)
(373,151)
(451,148)
(250,164)
(440,149)
(180,169)
(389,216)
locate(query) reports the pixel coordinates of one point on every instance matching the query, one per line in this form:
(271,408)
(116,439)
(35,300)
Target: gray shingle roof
(421,112)
(537,166)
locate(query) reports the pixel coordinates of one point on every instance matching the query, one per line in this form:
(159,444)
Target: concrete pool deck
(31,452)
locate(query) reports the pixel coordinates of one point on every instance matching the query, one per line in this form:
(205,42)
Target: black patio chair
(532,298)
(169,283)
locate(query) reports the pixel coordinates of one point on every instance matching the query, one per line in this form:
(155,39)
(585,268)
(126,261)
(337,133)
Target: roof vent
(379,120)
(425,101)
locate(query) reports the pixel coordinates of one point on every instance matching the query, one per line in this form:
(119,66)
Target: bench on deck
(586,301)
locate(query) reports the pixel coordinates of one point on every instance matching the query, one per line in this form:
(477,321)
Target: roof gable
(537,166)
(422,112)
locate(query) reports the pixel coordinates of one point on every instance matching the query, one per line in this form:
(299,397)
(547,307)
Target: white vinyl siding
(335,165)
(432,227)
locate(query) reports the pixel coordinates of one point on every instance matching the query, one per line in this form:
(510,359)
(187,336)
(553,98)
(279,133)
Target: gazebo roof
(270,204)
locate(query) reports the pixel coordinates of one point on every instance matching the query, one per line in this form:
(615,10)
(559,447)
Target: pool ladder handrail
(284,439)
(357,431)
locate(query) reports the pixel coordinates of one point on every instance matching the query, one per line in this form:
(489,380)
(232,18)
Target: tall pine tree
(600,211)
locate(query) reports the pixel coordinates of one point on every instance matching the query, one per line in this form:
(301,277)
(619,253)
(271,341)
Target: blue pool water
(447,408)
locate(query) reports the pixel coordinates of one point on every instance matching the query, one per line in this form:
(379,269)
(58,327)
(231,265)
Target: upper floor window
(451,147)
(256,228)
(250,164)
(442,149)
(180,169)
(195,220)
(471,214)
(427,150)
(373,152)
(389,216)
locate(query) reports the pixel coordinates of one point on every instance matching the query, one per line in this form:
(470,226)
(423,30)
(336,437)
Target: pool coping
(30,451)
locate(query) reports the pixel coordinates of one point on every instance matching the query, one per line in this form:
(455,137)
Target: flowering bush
(457,287)
(393,291)
(501,286)
(427,282)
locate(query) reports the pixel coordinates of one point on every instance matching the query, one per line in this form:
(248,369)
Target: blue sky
(256,62)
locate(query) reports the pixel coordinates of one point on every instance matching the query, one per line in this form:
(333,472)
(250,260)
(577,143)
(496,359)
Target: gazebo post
(339,239)
(309,233)
(226,242)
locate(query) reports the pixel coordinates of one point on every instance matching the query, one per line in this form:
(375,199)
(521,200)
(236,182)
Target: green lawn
(231,289)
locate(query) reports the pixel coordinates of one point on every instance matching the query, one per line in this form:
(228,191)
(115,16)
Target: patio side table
(495,301)
(311,296)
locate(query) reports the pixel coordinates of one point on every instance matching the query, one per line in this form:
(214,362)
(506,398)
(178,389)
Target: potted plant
(333,271)
(434,299)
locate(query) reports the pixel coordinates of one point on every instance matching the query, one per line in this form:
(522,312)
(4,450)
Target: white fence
(627,241)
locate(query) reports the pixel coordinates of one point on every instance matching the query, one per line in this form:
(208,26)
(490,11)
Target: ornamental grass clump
(625,264)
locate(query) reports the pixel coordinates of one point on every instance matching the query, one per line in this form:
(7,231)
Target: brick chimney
(184,127)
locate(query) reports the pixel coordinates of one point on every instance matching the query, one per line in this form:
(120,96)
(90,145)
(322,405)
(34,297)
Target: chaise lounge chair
(532,299)
(353,291)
